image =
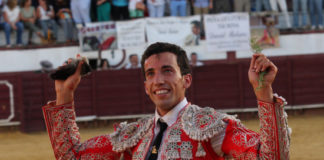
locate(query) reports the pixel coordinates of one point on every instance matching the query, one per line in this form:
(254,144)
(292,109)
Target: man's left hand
(260,63)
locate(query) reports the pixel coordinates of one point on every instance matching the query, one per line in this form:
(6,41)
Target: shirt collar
(172,115)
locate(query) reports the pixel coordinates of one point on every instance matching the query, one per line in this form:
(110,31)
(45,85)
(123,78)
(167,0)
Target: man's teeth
(161,92)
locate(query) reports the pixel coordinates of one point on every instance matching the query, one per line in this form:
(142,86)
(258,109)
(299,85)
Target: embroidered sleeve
(271,144)
(65,137)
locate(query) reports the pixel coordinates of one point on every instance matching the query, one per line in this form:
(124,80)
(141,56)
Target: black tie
(157,141)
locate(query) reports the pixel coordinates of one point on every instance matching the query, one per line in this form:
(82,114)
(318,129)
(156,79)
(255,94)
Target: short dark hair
(160,47)
(104,60)
(131,55)
(196,23)
(193,53)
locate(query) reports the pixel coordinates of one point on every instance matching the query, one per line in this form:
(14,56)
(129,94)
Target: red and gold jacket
(190,137)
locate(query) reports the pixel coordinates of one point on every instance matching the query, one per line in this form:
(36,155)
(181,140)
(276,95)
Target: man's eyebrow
(166,66)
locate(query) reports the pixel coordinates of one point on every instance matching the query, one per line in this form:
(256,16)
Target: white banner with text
(183,31)
(131,34)
(227,32)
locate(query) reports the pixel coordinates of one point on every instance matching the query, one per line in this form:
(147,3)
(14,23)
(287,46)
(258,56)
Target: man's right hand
(65,88)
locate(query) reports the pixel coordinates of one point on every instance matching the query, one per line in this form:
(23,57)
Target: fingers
(69,60)
(252,62)
(260,63)
(78,70)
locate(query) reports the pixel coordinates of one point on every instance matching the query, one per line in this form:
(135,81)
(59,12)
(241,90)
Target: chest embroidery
(186,150)
(128,135)
(175,135)
(172,150)
(140,153)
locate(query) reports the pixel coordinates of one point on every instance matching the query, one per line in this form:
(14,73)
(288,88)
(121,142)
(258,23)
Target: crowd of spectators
(49,15)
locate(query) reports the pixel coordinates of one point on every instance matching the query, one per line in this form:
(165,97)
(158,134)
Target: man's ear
(187,80)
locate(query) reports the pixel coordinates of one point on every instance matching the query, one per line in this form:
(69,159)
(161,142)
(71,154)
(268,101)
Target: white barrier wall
(28,60)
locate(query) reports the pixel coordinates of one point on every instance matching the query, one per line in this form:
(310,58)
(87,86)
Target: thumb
(252,63)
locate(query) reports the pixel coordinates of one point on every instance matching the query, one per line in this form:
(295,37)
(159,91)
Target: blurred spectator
(220,6)
(315,8)
(264,3)
(2,4)
(46,66)
(242,5)
(63,13)
(133,62)
(12,21)
(120,10)
(194,38)
(46,15)
(103,10)
(268,38)
(300,4)
(178,7)
(194,62)
(156,8)
(283,8)
(80,11)
(104,65)
(28,17)
(202,6)
(136,8)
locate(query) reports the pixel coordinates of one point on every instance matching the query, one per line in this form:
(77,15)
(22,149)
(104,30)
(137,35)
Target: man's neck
(171,116)
(163,112)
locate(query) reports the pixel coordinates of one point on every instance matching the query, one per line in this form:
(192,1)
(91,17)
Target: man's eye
(149,73)
(168,70)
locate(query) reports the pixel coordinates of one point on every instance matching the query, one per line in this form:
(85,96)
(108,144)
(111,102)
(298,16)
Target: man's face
(164,83)
(193,58)
(134,60)
(195,30)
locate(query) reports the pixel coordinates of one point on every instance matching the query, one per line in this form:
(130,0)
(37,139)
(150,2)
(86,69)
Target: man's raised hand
(260,63)
(65,88)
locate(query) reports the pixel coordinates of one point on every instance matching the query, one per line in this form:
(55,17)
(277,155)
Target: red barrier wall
(223,86)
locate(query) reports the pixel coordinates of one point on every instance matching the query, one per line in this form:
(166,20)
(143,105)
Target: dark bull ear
(63,72)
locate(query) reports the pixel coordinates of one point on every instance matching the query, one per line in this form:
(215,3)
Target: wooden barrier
(121,92)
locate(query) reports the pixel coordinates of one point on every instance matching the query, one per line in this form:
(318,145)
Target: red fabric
(239,142)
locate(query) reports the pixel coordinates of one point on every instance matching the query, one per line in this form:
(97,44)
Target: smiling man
(178,130)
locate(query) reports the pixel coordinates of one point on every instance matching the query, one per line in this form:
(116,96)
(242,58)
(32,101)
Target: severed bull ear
(63,72)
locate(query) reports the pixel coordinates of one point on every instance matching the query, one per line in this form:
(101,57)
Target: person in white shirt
(133,62)
(194,60)
(12,21)
(46,15)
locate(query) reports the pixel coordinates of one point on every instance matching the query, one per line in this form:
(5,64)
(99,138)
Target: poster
(96,35)
(183,31)
(131,34)
(227,32)
(268,36)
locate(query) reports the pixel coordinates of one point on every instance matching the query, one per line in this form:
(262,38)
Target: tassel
(200,151)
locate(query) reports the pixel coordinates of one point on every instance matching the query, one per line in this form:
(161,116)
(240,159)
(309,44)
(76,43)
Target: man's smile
(161,91)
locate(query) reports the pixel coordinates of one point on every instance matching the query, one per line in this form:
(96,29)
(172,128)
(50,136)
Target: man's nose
(158,78)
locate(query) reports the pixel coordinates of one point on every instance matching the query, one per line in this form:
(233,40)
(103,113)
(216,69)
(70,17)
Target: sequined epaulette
(202,123)
(128,135)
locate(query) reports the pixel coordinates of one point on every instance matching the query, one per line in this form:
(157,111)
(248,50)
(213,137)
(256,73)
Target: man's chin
(164,105)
